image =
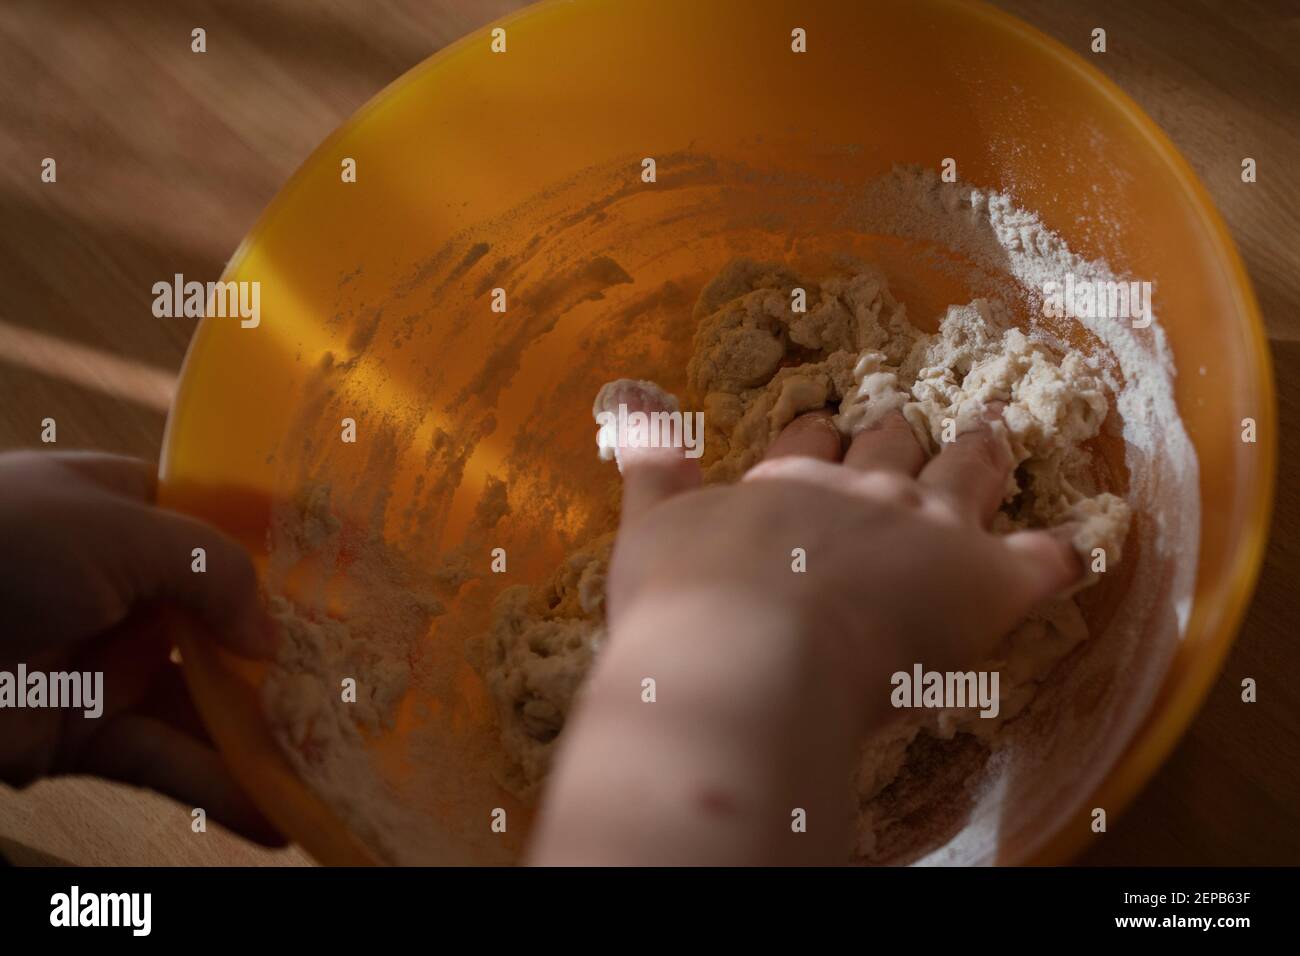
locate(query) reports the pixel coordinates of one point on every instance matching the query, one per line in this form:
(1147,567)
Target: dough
(542,643)
(756,365)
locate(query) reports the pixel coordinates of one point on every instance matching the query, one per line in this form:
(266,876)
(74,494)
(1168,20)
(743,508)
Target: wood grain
(165,159)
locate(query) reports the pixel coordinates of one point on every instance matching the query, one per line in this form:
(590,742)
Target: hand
(88,562)
(899,559)
(766,678)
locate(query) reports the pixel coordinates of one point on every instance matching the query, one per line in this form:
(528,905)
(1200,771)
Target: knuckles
(890,487)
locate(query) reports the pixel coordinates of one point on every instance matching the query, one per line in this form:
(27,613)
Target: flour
(859,352)
(757,364)
(370,634)
(353,609)
(856,349)
(355,601)
(543,641)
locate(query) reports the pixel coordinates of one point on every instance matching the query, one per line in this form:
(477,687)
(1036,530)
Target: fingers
(104,549)
(133,657)
(149,734)
(1047,561)
(169,700)
(158,558)
(889,445)
(651,474)
(972,472)
(147,752)
(130,477)
(813,435)
(139,678)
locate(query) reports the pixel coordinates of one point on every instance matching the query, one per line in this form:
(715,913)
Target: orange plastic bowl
(522,170)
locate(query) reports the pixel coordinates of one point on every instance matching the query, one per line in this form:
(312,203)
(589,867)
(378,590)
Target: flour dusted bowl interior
(523,171)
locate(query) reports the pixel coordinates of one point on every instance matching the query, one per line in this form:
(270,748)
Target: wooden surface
(166,158)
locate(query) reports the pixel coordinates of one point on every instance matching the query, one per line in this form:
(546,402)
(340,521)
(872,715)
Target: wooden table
(165,159)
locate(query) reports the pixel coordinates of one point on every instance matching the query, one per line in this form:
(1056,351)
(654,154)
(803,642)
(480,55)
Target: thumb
(160,556)
(1047,564)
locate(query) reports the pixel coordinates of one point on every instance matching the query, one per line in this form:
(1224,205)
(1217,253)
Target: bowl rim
(1163,726)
